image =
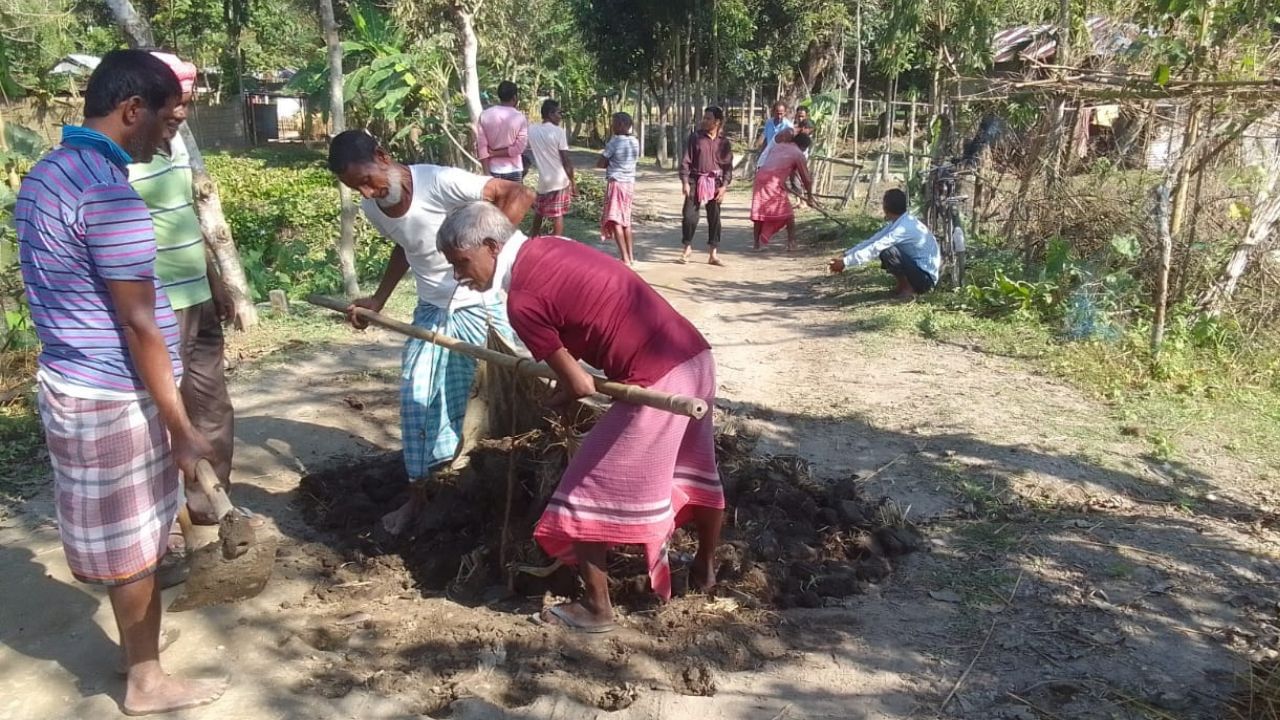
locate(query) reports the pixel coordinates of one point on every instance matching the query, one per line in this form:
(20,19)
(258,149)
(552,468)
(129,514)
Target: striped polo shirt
(80,224)
(165,186)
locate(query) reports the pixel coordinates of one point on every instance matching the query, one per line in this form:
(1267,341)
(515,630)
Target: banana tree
(396,87)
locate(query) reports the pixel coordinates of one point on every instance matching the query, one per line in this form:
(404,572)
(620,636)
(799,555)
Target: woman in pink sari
(770,205)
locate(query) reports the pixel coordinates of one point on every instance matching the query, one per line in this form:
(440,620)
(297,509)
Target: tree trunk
(1062,56)
(857,88)
(640,118)
(208,205)
(465,20)
(338,119)
(715,53)
(1266,213)
(1161,216)
(664,118)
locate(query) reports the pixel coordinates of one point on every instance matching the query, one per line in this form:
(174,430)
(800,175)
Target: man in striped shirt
(195,289)
(114,422)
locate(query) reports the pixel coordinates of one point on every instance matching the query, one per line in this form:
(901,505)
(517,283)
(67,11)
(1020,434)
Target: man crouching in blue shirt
(906,248)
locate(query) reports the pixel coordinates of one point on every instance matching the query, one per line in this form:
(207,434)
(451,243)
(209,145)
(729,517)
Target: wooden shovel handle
(208,481)
(678,404)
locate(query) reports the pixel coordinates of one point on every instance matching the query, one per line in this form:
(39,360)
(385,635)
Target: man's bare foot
(151,691)
(702,573)
(684,256)
(576,617)
(904,297)
(398,520)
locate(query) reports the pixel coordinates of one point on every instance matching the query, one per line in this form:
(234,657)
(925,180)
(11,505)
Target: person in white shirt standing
(556,185)
(905,247)
(502,134)
(407,206)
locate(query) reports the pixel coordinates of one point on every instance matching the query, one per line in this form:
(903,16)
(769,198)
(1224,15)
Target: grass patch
(23,466)
(989,535)
(306,327)
(1212,389)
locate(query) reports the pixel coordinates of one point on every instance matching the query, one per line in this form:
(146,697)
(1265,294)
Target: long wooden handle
(634,394)
(207,479)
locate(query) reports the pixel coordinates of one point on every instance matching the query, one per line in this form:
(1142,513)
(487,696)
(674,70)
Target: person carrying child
(619,158)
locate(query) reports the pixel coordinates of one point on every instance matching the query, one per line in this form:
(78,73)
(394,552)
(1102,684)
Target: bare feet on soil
(398,520)
(151,691)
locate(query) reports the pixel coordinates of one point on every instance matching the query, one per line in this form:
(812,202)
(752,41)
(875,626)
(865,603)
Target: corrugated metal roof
(1039,43)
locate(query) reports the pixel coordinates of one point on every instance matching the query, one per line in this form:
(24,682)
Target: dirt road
(1068,575)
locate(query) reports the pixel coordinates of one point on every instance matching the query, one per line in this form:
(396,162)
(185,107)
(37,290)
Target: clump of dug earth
(790,540)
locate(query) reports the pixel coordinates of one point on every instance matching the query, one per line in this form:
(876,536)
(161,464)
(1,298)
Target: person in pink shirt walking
(502,135)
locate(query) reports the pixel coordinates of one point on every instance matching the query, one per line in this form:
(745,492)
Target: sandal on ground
(561,619)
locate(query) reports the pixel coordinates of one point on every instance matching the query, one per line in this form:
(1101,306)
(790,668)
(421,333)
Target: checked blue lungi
(435,383)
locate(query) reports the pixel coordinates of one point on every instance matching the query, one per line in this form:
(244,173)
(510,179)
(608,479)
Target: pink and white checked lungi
(116,486)
(553,204)
(638,476)
(618,199)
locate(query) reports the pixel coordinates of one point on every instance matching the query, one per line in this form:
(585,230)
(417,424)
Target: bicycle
(942,216)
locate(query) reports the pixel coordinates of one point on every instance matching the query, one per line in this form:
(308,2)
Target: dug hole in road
(916,530)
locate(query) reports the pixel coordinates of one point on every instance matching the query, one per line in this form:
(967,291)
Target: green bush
(283,209)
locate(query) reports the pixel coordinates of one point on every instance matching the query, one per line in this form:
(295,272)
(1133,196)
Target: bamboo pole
(911,138)
(857,87)
(634,394)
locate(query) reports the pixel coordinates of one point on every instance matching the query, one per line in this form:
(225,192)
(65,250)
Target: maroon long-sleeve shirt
(706,155)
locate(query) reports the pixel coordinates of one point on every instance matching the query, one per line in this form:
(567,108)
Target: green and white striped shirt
(165,186)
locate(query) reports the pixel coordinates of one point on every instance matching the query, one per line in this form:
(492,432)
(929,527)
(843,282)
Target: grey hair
(467,227)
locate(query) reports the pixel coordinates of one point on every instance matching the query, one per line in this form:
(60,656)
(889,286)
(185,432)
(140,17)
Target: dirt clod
(619,697)
(787,542)
(696,679)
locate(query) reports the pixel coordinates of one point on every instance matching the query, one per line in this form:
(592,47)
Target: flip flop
(683,260)
(563,620)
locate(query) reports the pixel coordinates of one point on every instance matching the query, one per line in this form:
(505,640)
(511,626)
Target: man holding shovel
(641,472)
(199,298)
(113,417)
(407,206)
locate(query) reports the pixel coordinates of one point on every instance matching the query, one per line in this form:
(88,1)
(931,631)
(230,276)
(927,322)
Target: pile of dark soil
(789,539)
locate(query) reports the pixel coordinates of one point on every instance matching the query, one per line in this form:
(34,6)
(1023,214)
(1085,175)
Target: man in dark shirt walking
(705,172)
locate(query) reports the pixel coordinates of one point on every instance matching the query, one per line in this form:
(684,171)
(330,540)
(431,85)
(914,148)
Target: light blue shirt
(622,152)
(772,128)
(912,239)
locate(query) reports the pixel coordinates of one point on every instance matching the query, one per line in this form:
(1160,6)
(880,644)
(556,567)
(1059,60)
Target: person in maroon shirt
(706,169)
(640,472)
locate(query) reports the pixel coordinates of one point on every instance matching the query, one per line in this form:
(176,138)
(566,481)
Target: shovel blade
(215,580)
